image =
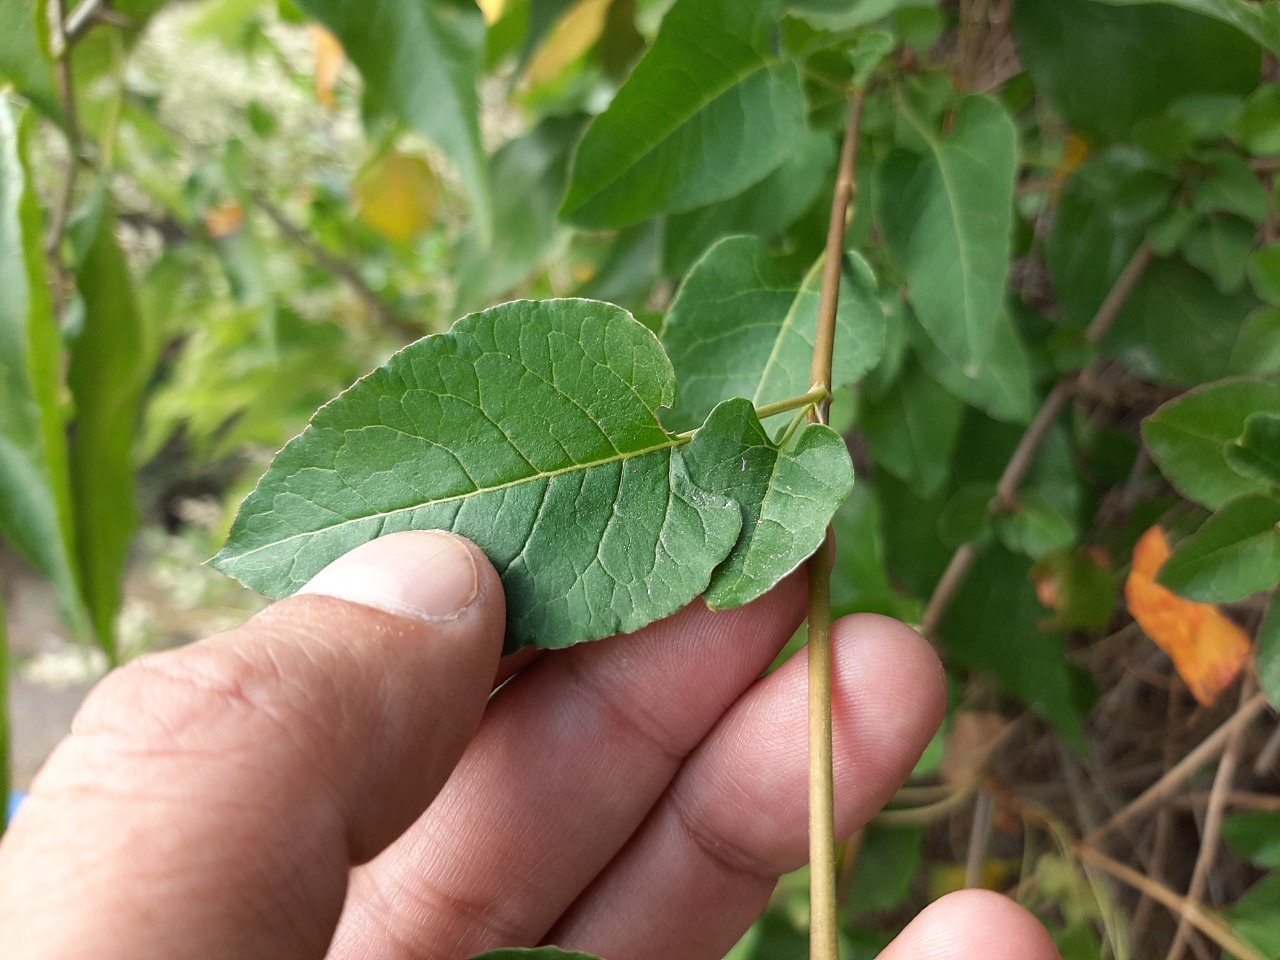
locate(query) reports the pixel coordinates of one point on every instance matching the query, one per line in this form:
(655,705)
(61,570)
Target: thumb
(211,800)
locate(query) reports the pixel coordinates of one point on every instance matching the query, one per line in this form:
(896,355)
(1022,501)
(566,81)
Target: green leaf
(420,60)
(860,580)
(912,428)
(1000,387)
(106,375)
(1254,835)
(1231,186)
(732,455)
(765,209)
(24,59)
(709,69)
(1127,64)
(35,498)
(527,178)
(1256,453)
(738,328)
(889,860)
(1177,327)
(1268,655)
(532,429)
(1259,20)
(1038,527)
(1264,272)
(947,218)
(534,953)
(1234,554)
(1186,437)
(629,268)
(1220,246)
(994,624)
(1257,348)
(1257,128)
(1255,917)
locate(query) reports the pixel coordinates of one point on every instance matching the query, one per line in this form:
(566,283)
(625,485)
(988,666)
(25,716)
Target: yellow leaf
(397,194)
(572,37)
(329,60)
(492,9)
(1207,649)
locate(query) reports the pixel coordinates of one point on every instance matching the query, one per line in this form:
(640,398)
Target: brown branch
(1211,833)
(1208,748)
(824,926)
(1020,462)
(1194,914)
(344,271)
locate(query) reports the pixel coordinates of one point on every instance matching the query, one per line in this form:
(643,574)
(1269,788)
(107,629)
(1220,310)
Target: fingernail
(425,574)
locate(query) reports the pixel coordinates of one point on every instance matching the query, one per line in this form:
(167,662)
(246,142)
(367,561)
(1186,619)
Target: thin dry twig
(1210,835)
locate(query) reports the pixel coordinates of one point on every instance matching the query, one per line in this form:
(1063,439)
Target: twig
(1202,754)
(1211,833)
(344,271)
(979,836)
(1164,822)
(1020,462)
(824,927)
(1270,752)
(1195,914)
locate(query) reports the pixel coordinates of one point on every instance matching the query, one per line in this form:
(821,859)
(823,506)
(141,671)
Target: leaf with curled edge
(531,429)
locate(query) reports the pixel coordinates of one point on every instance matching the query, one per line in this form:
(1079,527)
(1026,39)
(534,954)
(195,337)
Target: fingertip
(973,925)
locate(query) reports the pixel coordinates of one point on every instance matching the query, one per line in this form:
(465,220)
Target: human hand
(261,794)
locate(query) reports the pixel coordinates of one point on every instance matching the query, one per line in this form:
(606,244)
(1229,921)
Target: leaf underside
(532,429)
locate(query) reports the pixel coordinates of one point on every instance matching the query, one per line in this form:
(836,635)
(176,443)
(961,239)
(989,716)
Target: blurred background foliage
(215,215)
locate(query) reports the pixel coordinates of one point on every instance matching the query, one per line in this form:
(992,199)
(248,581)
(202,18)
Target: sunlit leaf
(573,36)
(397,195)
(1207,649)
(532,429)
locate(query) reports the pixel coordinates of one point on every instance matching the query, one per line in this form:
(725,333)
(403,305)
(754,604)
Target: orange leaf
(224,219)
(329,60)
(1208,650)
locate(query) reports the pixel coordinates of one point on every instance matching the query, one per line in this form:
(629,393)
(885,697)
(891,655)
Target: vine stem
(824,926)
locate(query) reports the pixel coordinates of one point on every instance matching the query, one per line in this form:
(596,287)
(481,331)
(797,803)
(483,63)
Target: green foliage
(1236,553)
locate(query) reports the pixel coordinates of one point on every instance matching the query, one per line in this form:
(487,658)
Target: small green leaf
(787,497)
(420,60)
(1255,917)
(912,428)
(947,218)
(1263,268)
(1268,655)
(1233,555)
(106,375)
(1256,453)
(1254,835)
(532,429)
(35,498)
(1038,527)
(1220,246)
(1257,128)
(1231,186)
(1186,437)
(1257,348)
(534,953)
(738,328)
(710,68)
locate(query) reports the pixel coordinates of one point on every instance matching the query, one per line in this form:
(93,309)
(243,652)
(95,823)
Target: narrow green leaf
(24,61)
(532,429)
(1256,453)
(1234,554)
(35,499)
(738,328)
(534,953)
(787,497)
(420,60)
(947,219)
(106,376)
(710,68)
(1187,436)
(1268,655)
(1259,20)
(912,428)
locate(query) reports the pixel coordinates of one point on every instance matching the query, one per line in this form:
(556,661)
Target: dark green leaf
(1257,128)
(731,454)
(24,59)
(1254,835)
(967,514)
(532,429)
(1127,64)
(1259,20)
(738,328)
(947,219)
(1220,246)
(994,624)
(1186,437)
(859,580)
(1257,349)
(1255,917)
(420,60)
(106,376)
(1264,272)
(35,498)
(889,860)
(629,268)
(1234,554)
(1001,385)
(765,209)
(1268,656)
(1231,186)
(1177,327)
(1256,453)
(912,428)
(527,178)
(1038,527)
(710,68)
